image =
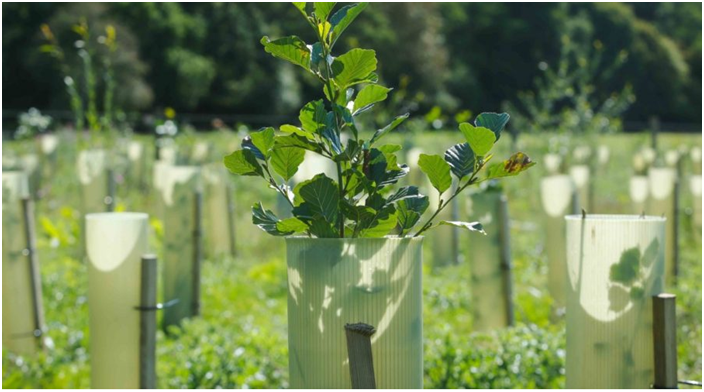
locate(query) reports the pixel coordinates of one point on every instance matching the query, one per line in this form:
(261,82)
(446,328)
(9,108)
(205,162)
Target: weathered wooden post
(556,193)
(506,260)
(614,265)
(147,323)
(22,318)
(179,201)
(662,182)
(115,243)
(359,350)
(665,341)
(489,262)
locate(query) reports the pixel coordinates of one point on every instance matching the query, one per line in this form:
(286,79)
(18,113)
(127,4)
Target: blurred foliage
(205,57)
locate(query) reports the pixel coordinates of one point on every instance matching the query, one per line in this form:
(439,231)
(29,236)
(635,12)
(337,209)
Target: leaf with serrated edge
(461,160)
(471,226)
(322,196)
(513,166)
(244,163)
(480,139)
(293,225)
(266,220)
(291,49)
(353,67)
(370,95)
(437,170)
(287,128)
(383,131)
(286,161)
(322,9)
(264,140)
(312,116)
(341,19)
(493,121)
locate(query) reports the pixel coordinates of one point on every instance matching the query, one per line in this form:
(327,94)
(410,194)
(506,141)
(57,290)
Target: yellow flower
(169,113)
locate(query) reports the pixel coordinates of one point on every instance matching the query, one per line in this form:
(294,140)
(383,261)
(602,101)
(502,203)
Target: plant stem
(429,223)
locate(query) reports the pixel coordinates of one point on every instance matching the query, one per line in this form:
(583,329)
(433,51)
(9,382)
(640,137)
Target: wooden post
(506,265)
(35,277)
(110,198)
(231,218)
(665,341)
(676,219)
(359,350)
(147,324)
(197,251)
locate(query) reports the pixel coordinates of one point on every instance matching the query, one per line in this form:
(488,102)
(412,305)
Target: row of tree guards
(603,269)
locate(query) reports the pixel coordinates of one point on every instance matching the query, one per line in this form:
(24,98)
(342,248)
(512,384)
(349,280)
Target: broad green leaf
(390,148)
(267,220)
(403,192)
(626,270)
(312,116)
(291,49)
(480,139)
(493,121)
(287,128)
(264,140)
(461,160)
(248,145)
(244,163)
(316,56)
(368,96)
(381,227)
(379,170)
(437,170)
(296,141)
(323,229)
(331,136)
(321,195)
(301,7)
(285,161)
(353,67)
(383,131)
(510,167)
(291,225)
(322,9)
(341,19)
(471,226)
(410,210)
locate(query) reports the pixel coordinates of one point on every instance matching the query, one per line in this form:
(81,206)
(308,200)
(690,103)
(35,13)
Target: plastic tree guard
(333,282)
(639,190)
(602,154)
(488,302)
(135,155)
(17,318)
(217,227)
(552,163)
(31,165)
(178,192)
(695,186)
(580,177)
(662,203)
(91,167)
(556,196)
(115,242)
(615,264)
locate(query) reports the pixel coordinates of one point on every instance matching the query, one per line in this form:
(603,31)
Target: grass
(240,340)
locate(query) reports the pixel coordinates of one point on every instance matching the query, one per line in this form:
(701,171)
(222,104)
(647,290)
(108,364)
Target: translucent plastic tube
(552,163)
(662,203)
(91,167)
(17,318)
(115,243)
(695,186)
(337,281)
(488,302)
(639,190)
(178,192)
(580,177)
(216,225)
(556,196)
(615,264)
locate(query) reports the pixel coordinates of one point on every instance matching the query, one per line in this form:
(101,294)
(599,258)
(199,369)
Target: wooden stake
(506,265)
(231,218)
(197,251)
(676,220)
(147,324)
(110,198)
(665,341)
(359,351)
(35,277)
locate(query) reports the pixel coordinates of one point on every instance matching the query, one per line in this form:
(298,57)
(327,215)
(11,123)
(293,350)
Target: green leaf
(471,226)
(323,229)
(493,121)
(353,67)
(341,19)
(267,220)
(368,96)
(381,171)
(291,49)
(510,167)
(301,7)
(296,141)
(312,116)
(291,225)
(461,160)
(383,131)
(480,139)
(321,195)
(437,170)
(390,148)
(626,270)
(404,192)
(410,210)
(331,136)
(248,145)
(385,222)
(264,141)
(290,129)
(285,161)
(322,9)
(244,163)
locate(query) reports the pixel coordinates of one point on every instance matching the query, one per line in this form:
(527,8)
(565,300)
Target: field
(240,341)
